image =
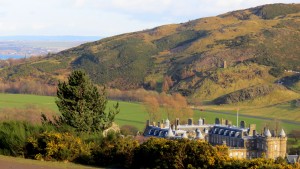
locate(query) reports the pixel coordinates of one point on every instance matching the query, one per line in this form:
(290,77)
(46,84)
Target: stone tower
(275,145)
(283,143)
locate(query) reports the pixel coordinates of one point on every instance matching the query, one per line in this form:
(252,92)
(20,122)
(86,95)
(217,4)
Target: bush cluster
(57,146)
(45,143)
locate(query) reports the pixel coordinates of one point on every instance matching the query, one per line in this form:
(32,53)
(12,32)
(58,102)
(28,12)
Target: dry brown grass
(30,113)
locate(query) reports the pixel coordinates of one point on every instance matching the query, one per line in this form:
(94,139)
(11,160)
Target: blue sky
(107,17)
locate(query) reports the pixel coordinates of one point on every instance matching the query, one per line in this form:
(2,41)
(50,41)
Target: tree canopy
(82,104)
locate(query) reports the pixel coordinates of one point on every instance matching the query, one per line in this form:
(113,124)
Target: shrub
(129,130)
(13,135)
(119,151)
(56,146)
(276,71)
(177,154)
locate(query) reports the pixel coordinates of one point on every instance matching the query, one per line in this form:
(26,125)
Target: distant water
(3,57)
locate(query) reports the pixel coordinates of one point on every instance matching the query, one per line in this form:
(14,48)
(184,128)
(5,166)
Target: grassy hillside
(217,58)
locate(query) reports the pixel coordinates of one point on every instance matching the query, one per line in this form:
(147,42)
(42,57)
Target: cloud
(80,3)
(108,17)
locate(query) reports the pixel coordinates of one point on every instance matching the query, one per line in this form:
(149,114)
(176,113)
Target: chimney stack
(217,121)
(190,121)
(252,127)
(176,123)
(242,124)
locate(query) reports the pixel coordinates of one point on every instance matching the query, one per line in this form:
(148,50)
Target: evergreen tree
(82,105)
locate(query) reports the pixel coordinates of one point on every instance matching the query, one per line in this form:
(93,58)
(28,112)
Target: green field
(134,113)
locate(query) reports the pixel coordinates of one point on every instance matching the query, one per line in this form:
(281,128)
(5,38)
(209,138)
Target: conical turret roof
(268,133)
(184,135)
(282,133)
(199,134)
(170,133)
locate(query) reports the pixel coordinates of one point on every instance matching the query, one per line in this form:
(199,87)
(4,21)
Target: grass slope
(257,45)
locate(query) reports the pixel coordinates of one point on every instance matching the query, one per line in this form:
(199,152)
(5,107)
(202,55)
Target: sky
(108,17)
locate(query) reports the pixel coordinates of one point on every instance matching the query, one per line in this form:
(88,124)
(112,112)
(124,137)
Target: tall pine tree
(82,105)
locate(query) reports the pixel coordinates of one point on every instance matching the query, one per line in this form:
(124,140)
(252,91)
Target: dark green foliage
(291,81)
(274,10)
(116,152)
(161,153)
(128,63)
(82,106)
(179,39)
(276,71)
(13,135)
(129,130)
(239,41)
(295,103)
(50,67)
(245,94)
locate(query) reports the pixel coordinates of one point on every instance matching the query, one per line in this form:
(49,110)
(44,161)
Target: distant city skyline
(107,17)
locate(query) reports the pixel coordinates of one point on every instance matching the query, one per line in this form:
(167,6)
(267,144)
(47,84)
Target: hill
(240,56)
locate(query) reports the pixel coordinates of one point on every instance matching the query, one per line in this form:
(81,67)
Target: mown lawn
(278,111)
(135,114)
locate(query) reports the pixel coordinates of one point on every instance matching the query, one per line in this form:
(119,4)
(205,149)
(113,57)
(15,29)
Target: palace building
(243,142)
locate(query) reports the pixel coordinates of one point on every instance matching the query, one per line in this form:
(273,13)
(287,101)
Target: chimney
(252,127)
(226,122)
(217,121)
(148,123)
(242,124)
(176,123)
(190,121)
(222,121)
(200,122)
(158,124)
(203,121)
(273,133)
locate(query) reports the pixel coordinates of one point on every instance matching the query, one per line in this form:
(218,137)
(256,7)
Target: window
(150,131)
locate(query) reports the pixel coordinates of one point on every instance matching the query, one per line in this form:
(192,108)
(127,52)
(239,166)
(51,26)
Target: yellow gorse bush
(59,146)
